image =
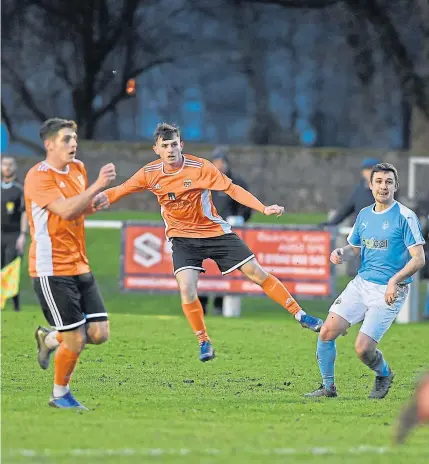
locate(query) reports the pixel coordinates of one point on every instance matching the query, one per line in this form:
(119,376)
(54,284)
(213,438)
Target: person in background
(425,270)
(361,197)
(229,209)
(14,224)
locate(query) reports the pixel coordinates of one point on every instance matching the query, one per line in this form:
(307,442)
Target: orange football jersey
(57,246)
(184,195)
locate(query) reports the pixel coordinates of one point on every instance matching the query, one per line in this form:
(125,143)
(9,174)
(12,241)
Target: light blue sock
(326,354)
(384,369)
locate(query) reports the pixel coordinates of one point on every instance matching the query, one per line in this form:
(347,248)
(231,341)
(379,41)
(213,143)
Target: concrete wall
(298,178)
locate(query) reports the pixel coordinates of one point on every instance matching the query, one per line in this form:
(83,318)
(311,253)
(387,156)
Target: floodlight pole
(410,310)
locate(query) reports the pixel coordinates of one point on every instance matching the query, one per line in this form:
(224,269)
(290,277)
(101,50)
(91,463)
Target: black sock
(16,305)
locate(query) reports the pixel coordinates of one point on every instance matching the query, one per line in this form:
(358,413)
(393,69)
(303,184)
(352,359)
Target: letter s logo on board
(147,250)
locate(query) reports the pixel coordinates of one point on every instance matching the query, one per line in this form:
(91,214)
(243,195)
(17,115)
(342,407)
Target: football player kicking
(182,185)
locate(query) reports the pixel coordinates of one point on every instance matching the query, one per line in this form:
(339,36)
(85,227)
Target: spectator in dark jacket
(360,197)
(425,270)
(225,205)
(14,223)
(227,208)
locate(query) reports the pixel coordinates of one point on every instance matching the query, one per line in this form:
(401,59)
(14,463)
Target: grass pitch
(151,400)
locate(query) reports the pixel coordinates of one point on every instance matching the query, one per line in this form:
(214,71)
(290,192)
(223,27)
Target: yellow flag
(10,275)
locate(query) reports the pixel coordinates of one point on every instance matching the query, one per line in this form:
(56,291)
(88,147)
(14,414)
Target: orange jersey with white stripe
(184,195)
(57,245)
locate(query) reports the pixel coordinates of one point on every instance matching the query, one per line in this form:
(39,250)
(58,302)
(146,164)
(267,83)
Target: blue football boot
(311,322)
(68,401)
(207,352)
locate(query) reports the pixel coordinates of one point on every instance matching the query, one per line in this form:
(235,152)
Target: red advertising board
(299,257)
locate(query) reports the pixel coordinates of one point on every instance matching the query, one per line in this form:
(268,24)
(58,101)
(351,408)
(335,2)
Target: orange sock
(65,362)
(59,337)
(279,293)
(195,315)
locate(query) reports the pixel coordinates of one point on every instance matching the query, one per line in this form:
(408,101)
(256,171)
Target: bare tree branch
(413,85)
(62,70)
(297,3)
(123,24)
(18,83)
(61,13)
(121,95)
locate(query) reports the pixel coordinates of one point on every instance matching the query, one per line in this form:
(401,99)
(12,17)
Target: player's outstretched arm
(71,208)
(134,184)
(244,197)
(220,182)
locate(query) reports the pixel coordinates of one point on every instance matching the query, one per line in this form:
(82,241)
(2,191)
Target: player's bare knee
(327,333)
(99,337)
(254,271)
(98,334)
(364,350)
(188,291)
(74,340)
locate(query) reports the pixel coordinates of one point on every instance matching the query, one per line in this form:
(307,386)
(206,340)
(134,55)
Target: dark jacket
(12,206)
(425,270)
(226,206)
(361,197)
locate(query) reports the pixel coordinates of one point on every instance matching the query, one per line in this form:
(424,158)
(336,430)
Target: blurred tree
(298,3)
(252,62)
(410,58)
(387,20)
(408,66)
(74,59)
(246,52)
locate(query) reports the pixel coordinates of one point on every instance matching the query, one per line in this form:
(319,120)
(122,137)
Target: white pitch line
(361,449)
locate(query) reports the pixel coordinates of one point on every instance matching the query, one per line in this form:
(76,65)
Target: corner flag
(10,276)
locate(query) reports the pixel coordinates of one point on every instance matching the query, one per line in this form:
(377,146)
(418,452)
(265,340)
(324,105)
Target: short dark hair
(385,167)
(166,131)
(9,157)
(52,126)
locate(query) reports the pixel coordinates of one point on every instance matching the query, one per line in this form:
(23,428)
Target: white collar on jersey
(175,172)
(66,170)
(385,210)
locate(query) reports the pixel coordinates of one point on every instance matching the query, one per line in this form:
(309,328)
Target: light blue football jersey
(384,238)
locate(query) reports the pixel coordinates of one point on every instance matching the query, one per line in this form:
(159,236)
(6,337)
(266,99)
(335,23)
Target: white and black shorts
(228,251)
(70,301)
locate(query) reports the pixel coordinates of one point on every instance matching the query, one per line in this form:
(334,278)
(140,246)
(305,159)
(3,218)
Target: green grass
(148,393)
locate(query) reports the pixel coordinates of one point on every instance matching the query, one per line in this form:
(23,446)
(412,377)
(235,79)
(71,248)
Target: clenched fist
(274,209)
(107,175)
(337,256)
(100,202)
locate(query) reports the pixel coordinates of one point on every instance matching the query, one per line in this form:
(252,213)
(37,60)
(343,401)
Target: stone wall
(298,178)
